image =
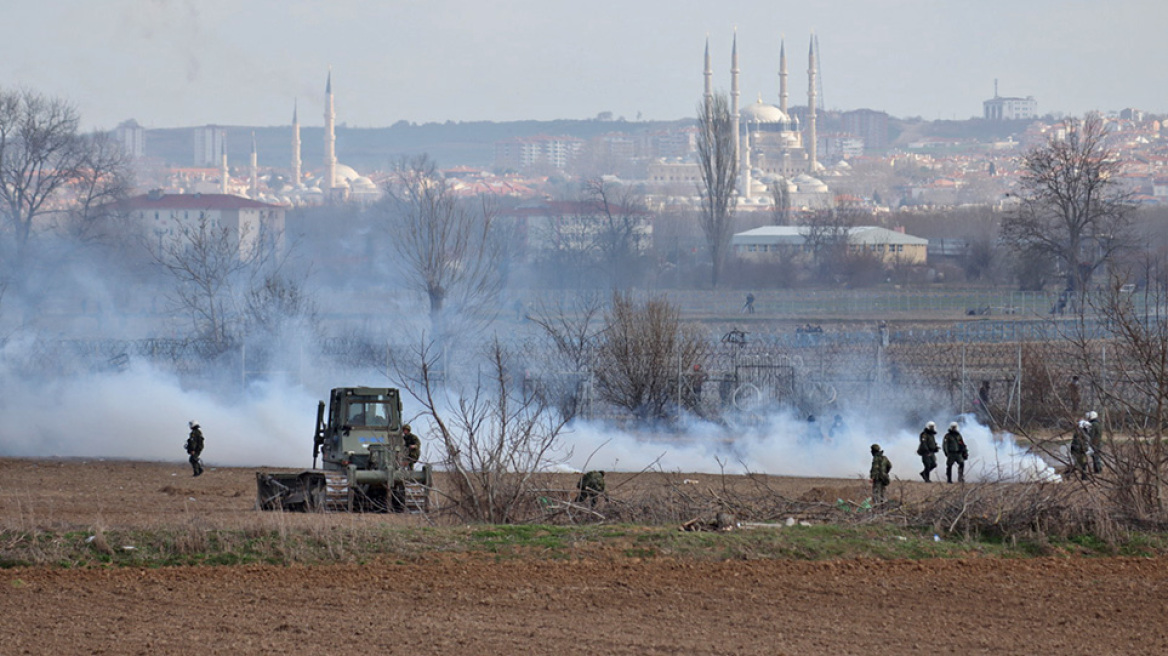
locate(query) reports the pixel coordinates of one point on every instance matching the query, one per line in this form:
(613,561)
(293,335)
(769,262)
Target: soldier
(591,486)
(1079,448)
(881,466)
(1095,440)
(811,433)
(927,450)
(955,453)
(413,446)
(837,428)
(194,447)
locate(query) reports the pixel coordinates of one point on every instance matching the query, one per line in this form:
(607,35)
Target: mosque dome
(346,173)
(807,183)
(761,112)
(361,182)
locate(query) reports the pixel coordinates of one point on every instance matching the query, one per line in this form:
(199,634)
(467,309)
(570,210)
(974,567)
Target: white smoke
(778,444)
(142,414)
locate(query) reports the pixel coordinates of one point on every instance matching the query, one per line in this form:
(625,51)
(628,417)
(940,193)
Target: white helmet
(1092,415)
(953,426)
(930,425)
(193,424)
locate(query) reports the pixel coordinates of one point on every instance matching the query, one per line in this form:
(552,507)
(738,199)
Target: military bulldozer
(365,464)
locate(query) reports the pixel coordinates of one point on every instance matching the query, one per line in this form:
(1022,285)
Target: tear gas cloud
(777,444)
(142,414)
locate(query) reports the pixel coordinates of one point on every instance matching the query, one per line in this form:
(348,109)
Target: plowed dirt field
(599,604)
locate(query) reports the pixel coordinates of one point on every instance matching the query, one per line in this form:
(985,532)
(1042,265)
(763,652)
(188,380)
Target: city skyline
(188,63)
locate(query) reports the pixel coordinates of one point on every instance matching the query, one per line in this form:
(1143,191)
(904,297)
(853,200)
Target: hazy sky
(243,62)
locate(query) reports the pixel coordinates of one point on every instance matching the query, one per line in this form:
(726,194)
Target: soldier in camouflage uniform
(881,467)
(927,449)
(591,486)
(1079,448)
(413,446)
(1095,440)
(955,453)
(194,447)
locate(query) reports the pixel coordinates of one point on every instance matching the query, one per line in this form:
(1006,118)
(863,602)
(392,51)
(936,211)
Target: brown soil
(603,603)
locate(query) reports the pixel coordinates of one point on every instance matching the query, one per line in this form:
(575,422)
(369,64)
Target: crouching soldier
(591,486)
(413,446)
(955,453)
(879,475)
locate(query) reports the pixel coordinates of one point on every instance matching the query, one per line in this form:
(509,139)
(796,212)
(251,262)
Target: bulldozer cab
(359,418)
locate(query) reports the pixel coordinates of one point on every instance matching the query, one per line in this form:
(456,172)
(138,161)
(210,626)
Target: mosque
(771,145)
(335,183)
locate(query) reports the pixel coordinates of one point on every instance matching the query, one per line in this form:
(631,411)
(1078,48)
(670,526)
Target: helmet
(953,426)
(930,425)
(875,448)
(406,427)
(1092,415)
(192,424)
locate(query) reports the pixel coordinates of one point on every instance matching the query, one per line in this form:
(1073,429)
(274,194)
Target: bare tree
(641,355)
(573,327)
(1072,207)
(718,172)
(1123,363)
(51,176)
(449,247)
(495,440)
(623,231)
(826,237)
(218,273)
(781,209)
(46,164)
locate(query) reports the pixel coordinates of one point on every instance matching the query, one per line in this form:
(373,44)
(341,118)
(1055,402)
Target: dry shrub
(1011,511)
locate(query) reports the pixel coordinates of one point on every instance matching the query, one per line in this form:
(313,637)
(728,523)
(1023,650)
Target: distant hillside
(366,149)
(974,129)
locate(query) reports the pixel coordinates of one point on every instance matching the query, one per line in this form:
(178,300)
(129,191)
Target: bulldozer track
(336,492)
(416,498)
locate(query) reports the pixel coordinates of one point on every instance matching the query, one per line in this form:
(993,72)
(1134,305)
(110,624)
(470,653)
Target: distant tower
(709,97)
(223,173)
(783,77)
(254,190)
(295,147)
(734,94)
(811,147)
(330,137)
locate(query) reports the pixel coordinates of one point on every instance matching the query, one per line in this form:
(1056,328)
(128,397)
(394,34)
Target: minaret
(223,168)
(811,107)
(254,190)
(330,137)
(709,97)
(734,98)
(295,147)
(783,77)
